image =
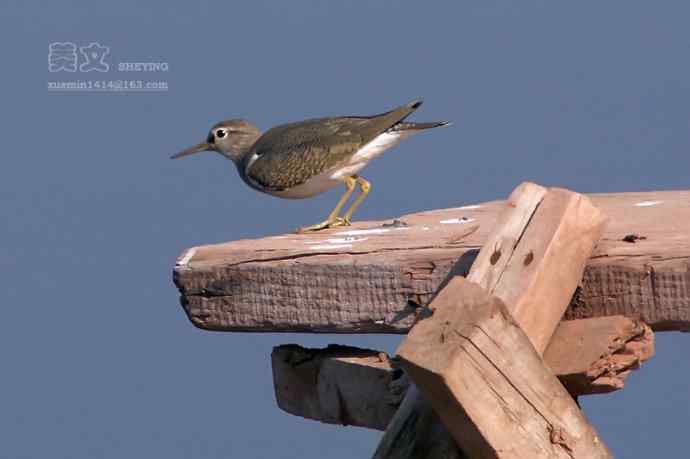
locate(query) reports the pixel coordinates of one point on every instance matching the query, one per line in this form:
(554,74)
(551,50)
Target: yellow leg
(333,219)
(364,188)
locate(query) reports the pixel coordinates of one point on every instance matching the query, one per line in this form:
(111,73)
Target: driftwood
(374,276)
(533,259)
(363,387)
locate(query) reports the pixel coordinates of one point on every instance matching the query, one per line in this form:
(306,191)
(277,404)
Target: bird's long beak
(198,148)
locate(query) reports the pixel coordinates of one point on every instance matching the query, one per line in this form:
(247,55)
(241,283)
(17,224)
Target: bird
(306,158)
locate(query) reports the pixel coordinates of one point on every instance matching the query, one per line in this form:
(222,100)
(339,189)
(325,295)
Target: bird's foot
(340,221)
(332,223)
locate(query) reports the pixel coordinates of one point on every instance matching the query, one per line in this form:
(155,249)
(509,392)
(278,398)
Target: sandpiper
(306,158)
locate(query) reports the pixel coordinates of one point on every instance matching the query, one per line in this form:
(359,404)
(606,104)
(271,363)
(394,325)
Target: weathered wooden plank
(371,279)
(488,383)
(363,387)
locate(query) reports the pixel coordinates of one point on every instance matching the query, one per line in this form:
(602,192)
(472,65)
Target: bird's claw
(338,221)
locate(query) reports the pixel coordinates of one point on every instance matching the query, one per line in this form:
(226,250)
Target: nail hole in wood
(528,258)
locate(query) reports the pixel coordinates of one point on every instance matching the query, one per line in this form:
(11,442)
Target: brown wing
(290,154)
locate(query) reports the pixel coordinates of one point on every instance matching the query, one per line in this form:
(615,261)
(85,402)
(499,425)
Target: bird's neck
(233,155)
(239,149)
(239,157)
(237,153)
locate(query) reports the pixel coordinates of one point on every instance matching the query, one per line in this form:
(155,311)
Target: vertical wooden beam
(493,259)
(402,434)
(489,385)
(523,263)
(544,262)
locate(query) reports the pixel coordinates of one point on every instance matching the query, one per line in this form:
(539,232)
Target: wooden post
(535,268)
(523,262)
(488,384)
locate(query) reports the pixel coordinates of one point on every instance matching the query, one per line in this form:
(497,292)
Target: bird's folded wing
(289,155)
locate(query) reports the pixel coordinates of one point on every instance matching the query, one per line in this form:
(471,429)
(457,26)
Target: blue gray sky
(98,358)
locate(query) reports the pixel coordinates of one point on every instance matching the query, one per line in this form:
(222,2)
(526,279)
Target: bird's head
(230,138)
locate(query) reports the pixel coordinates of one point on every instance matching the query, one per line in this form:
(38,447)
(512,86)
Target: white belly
(368,152)
(380,144)
(329,179)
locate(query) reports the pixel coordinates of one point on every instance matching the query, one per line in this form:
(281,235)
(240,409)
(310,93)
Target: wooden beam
(488,383)
(492,263)
(364,387)
(545,261)
(337,385)
(595,356)
(536,232)
(383,274)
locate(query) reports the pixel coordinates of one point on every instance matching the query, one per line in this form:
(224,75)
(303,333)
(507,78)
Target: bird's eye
(220,133)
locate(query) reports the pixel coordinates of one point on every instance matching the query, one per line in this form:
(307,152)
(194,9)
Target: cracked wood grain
(280,284)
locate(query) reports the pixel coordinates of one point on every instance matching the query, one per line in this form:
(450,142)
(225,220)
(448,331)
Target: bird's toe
(340,221)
